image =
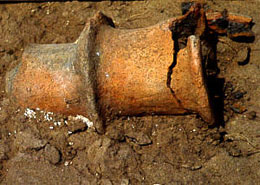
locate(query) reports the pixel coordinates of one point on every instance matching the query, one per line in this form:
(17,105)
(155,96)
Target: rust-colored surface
(47,79)
(134,81)
(188,81)
(233,25)
(239,18)
(119,72)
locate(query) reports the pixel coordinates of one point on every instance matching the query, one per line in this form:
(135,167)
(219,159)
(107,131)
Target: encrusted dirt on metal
(133,150)
(124,70)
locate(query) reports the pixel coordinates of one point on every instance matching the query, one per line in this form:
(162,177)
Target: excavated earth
(38,147)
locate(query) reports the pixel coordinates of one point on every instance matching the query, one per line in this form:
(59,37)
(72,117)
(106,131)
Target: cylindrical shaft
(108,70)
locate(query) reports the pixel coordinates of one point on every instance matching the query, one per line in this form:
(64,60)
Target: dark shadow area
(216,93)
(244,39)
(246,61)
(215,85)
(241,32)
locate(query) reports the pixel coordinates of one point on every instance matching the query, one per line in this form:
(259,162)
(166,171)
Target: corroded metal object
(110,71)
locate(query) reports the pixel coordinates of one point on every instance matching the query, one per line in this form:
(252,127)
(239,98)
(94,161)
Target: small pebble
(105,181)
(66,163)
(226,118)
(238,108)
(77,126)
(238,95)
(244,56)
(3,115)
(251,115)
(52,154)
(4,149)
(199,124)
(234,152)
(125,182)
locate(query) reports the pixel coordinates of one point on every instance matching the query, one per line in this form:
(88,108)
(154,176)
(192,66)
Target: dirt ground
(38,147)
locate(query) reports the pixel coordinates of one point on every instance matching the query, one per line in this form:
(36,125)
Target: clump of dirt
(38,147)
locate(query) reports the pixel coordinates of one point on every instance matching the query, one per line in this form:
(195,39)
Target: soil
(38,147)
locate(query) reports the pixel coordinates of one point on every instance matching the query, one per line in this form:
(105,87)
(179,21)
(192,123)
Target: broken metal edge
(205,106)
